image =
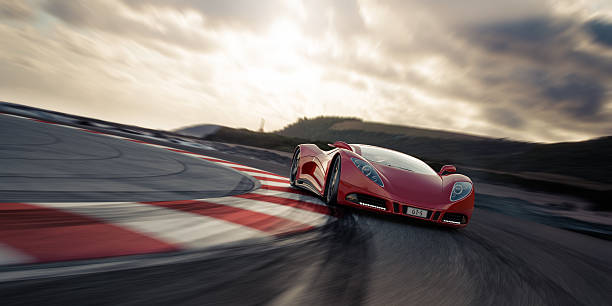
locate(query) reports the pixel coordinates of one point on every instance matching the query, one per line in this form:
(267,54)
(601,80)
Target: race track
(46,162)
(357,258)
(73,194)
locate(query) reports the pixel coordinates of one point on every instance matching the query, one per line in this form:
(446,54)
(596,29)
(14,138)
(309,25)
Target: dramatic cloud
(14,9)
(601,31)
(579,97)
(530,70)
(243,13)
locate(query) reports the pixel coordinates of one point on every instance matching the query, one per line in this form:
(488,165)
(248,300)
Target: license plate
(422,213)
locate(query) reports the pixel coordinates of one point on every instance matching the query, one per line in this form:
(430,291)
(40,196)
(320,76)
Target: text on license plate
(416,212)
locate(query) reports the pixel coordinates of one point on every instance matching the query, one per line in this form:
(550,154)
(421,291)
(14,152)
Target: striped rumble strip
(51,232)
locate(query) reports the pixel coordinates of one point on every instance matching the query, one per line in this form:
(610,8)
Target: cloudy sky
(521,69)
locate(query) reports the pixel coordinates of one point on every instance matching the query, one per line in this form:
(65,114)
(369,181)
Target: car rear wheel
(294,167)
(331,189)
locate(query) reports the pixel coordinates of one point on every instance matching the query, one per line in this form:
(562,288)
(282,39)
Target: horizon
(525,71)
(365,121)
(342,119)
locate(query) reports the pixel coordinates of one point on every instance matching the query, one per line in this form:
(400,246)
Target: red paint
(426,191)
(94,132)
(341,145)
(54,235)
(259,221)
(43,121)
(138,141)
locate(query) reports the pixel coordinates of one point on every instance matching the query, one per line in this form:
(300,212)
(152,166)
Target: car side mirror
(341,145)
(447,168)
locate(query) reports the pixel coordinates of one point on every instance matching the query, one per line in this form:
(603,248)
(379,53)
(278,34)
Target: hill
(587,159)
(199,131)
(259,139)
(321,127)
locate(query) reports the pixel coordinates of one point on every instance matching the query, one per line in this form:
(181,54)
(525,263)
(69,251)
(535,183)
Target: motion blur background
(516,94)
(496,87)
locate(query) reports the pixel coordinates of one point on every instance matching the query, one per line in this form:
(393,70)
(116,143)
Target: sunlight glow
(430,68)
(173,64)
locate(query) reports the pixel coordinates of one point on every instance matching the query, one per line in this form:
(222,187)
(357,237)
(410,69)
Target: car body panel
(401,188)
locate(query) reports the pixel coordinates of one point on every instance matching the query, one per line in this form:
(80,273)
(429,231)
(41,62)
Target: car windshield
(395,159)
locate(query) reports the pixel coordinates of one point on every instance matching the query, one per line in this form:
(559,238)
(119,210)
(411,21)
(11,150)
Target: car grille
(454,218)
(371,201)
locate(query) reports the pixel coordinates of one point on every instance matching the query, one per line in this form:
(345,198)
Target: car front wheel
(331,189)
(294,167)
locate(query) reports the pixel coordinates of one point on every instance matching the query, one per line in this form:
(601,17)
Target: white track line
(274,176)
(256,171)
(273,209)
(271,183)
(184,229)
(291,196)
(11,256)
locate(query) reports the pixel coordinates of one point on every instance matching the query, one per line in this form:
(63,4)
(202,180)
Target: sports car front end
(444,199)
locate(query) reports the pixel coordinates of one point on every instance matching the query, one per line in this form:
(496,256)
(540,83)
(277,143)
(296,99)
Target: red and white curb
(49,232)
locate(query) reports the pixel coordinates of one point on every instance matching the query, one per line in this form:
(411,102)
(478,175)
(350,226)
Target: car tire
(295,162)
(331,188)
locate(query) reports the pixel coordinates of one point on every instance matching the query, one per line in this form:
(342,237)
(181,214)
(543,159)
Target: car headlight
(367,170)
(460,191)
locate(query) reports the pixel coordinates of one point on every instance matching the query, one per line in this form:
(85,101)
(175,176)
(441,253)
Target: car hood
(426,190)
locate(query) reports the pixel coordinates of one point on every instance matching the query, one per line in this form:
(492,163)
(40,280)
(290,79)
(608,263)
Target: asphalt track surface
(173,220)
(44,162)
(359,259)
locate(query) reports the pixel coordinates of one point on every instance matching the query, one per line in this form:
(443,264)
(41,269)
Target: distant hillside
(322,127)
(587,160)
(199,131)
(427,144)
(584,159)
(257,139)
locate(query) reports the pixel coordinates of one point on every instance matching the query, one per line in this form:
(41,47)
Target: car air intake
(454,218)
(436,216)
(396,208)
(367,200)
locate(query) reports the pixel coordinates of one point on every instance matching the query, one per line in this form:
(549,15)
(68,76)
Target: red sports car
(384,180)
